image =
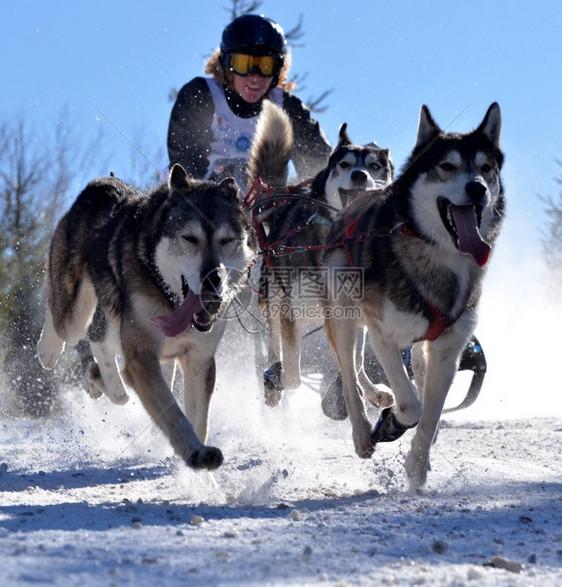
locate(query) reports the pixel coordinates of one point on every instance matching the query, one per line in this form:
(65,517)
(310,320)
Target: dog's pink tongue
(470,241)
(180,319)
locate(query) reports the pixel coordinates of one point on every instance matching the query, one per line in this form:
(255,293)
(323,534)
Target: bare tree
(552,241)
(24,168)
(239,7)
(36,179)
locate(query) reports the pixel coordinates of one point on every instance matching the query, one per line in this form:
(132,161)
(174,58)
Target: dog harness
(262,200)
(232,135)
(352,234)
(438,321)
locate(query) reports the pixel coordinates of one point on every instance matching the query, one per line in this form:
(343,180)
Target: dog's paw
(205,457)
(272,397)
(364,446)
(49,349)
(96,386)
(365,451)
(379,398)
(272,386)
(92,381)
(416,471)
(388,428)
(120,399)
(333,402)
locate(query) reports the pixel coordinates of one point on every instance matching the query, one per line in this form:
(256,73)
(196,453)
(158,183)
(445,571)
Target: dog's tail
(270,153)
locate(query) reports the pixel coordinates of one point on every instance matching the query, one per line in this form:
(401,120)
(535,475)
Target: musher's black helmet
(254,34)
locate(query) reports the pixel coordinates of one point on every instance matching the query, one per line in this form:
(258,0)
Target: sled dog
(145,277)
(297,228)
(421,247)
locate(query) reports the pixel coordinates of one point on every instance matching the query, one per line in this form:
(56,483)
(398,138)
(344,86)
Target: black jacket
(190,135)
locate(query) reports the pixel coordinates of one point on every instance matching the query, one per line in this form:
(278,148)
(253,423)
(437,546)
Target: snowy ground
(96,497)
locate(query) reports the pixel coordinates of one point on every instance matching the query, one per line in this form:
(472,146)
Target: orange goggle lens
(265,65)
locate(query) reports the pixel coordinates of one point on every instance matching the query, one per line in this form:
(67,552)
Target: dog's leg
(91,375)
(407,410)
(376,396)
(291,350)
(418,366)
(274,347)
(342,336)
(442,357)
(199,374)
(143,373)
(73,314)
(333,403)
(272,381)
(110,381)
(50,345)
(66,320)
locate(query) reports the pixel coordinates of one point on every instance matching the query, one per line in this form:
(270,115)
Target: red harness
(438,321)
(437,324)
(257,189)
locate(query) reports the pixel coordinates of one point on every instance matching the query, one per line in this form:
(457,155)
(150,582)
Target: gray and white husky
(421,248)
(145,277)
(297,229)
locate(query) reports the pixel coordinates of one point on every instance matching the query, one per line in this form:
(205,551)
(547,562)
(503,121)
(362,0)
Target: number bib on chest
(232,135)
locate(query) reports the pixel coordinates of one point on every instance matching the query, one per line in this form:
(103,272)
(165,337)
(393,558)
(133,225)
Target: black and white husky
(420,249)
(297,229)
(145,277)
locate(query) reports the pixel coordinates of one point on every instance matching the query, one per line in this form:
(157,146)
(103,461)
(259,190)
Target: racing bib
(232,135)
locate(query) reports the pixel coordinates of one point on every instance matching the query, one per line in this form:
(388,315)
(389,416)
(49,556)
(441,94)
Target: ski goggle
(265,65)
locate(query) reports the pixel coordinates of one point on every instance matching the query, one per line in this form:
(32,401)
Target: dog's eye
(345,165)
(486,168)
(192,240)
(226,241)
(447,167)
(375,166)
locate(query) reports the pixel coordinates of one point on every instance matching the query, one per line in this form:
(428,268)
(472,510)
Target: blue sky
(382,60)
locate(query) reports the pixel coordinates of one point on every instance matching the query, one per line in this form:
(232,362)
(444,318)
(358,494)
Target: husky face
(457,188)
(353,169)
(205,244)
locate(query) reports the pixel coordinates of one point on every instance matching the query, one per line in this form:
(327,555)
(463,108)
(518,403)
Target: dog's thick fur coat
(423,247)
(145,277)
(300,222)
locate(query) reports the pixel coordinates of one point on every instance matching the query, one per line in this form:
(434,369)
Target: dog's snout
(359,177)
(476,190)
(212,281)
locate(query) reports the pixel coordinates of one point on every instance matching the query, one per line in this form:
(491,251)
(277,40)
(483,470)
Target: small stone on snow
(498,562)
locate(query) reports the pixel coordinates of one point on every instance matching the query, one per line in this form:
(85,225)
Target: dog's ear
(343,136)
(386,154)
(427,127)
(230,188)
(178,179)
(492,124)
(229,184)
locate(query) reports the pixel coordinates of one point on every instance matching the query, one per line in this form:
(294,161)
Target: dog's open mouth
(463,223)
(347,196)
(205,319)
(197,310)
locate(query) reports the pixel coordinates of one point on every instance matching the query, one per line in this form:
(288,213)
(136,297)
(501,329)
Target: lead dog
(423,247)
(160,268)
(297,229)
